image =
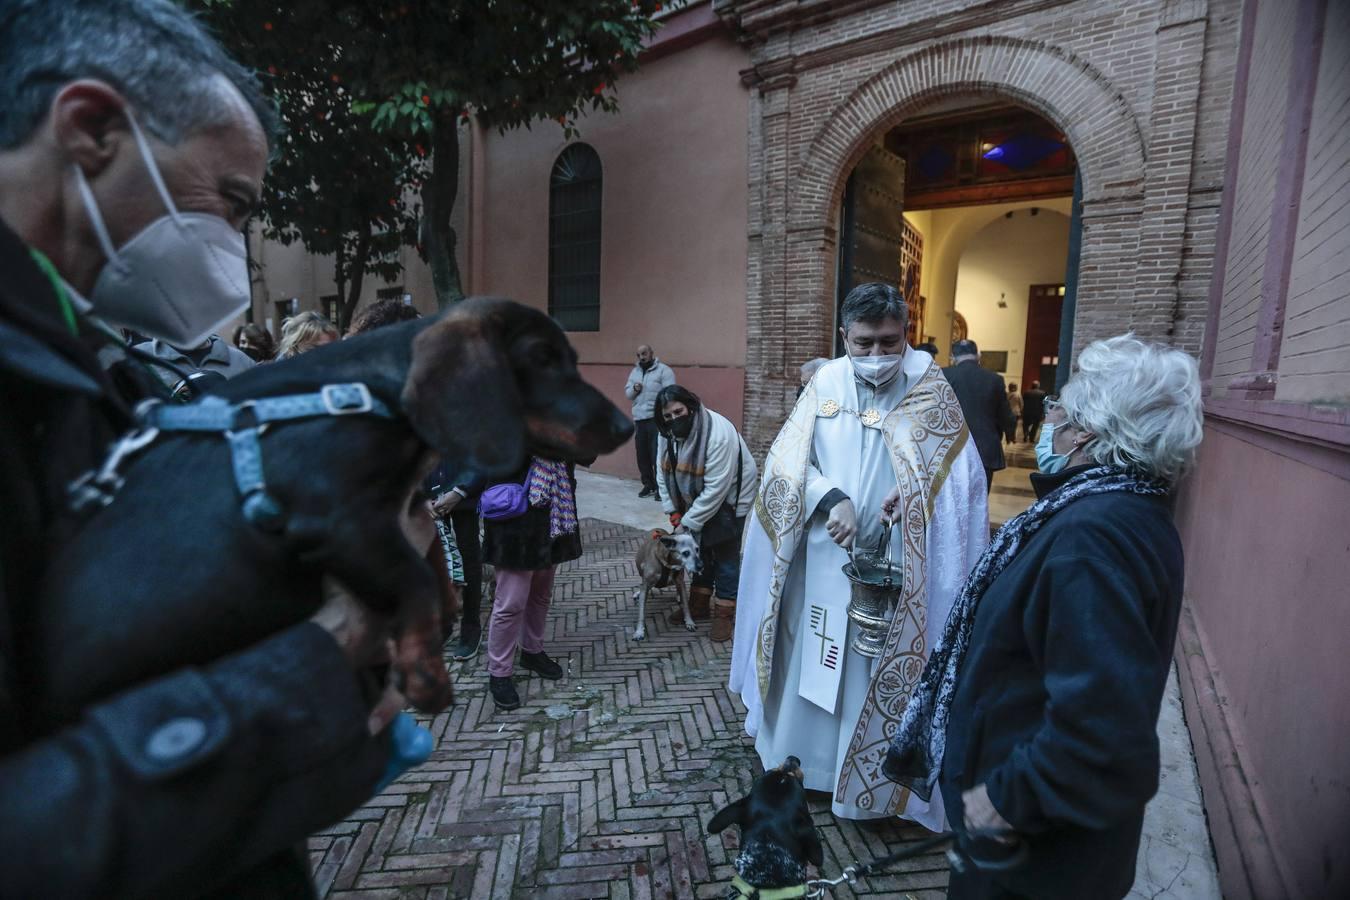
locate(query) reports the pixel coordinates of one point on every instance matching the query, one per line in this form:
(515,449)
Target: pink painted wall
(721,388)
(1267,572)
(673,247)
(1266,517)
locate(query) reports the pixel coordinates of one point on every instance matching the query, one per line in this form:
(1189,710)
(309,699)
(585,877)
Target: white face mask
(877,370)
(178,279)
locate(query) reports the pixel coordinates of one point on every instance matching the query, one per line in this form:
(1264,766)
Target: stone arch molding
(1060,86)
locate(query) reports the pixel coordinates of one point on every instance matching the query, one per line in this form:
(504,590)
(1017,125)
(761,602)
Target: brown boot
(724,619)
(699,599)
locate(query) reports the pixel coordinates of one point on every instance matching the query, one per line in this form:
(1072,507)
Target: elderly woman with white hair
(1037,712)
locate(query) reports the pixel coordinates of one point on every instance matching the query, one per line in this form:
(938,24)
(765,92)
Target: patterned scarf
(688,467)
(915,756)
(549,485)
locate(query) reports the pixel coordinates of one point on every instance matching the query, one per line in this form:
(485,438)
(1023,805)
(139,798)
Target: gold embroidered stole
(925,435)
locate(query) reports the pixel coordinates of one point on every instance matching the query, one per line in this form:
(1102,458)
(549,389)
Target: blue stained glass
(1024,151)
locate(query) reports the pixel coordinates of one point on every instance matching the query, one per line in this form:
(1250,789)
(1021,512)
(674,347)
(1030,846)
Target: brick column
(767,273)
(1179,52)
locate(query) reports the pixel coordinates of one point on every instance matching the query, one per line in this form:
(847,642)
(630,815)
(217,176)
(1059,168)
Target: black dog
(171,574)
(777,836)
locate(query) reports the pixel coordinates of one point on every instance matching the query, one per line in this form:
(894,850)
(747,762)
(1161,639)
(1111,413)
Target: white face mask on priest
(876,346)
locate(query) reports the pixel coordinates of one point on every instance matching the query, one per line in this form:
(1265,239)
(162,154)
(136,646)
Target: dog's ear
(808,839)
(732,814)
(461,395)
(669,542)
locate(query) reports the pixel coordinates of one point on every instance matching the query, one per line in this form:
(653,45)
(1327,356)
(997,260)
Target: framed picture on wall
(994,360)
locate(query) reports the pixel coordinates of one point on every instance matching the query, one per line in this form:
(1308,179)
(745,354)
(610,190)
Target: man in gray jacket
(644,383)
(214,355)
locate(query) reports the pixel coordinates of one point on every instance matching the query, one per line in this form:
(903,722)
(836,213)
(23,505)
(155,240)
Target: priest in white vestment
(883,416)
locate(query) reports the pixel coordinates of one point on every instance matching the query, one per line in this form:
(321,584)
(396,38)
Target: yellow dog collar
(750,892)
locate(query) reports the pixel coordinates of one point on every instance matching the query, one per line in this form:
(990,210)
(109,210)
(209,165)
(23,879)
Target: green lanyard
(58,285)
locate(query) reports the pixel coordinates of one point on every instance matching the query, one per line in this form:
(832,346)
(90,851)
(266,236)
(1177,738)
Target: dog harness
(242,424)
(750,892)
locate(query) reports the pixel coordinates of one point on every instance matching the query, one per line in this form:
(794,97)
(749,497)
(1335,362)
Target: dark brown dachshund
(171,574)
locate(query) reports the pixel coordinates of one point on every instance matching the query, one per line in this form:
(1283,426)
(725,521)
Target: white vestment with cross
(846,435)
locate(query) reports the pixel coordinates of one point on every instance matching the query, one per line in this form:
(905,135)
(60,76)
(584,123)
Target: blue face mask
(1047,460)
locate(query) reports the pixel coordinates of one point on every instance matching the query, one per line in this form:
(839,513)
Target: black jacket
(1056,708)
(984,401)
(195,783)
(523,543)
(1033,405)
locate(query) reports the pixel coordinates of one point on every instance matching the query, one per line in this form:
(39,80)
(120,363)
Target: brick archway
(1066,90)
(791,277)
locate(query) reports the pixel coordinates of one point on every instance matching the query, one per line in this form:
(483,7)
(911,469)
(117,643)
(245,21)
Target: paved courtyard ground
(601,784)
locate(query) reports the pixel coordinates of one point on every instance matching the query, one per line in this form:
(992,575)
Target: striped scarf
(915,756)
(550,485)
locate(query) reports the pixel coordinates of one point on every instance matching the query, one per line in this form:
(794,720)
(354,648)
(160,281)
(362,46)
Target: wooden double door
(1040,359)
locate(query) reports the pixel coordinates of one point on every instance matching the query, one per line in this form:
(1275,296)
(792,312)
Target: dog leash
(242,425)
(958,855)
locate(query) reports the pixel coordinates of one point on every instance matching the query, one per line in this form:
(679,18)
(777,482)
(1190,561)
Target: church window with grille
(574,239)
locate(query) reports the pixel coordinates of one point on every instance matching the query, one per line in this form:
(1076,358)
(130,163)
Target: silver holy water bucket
(875,584)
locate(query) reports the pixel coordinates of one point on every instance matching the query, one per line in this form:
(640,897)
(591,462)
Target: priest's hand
(842,525)
(890,506)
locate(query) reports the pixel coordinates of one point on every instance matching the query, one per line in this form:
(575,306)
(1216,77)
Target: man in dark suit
(984,400)
(1033,412)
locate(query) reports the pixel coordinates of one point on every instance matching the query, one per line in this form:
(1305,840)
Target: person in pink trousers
(525,550)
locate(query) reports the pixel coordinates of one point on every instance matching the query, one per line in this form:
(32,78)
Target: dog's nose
(621,426)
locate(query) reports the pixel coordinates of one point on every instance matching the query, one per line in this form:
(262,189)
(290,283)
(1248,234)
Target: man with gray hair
(880,418)
(132,151)
(808,371)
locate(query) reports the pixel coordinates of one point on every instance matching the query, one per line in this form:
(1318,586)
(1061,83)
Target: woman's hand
(981,815)
(842,524)
(445,504)
(890,506)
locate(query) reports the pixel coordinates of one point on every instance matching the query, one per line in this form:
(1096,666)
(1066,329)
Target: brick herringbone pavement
(600,785)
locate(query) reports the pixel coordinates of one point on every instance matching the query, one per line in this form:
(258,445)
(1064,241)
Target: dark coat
(984,401)
(1033,405)
(1056,709)
(523,543)
(197,782)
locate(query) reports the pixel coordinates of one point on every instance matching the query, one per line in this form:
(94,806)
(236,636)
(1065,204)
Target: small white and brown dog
(662,558)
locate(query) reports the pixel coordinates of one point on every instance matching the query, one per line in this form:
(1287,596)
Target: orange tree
(414,71)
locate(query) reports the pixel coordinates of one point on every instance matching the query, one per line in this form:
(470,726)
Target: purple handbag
(503,501)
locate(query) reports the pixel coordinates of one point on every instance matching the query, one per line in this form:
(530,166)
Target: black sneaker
(646,492)
(541,665)
(467,645)
(504,692)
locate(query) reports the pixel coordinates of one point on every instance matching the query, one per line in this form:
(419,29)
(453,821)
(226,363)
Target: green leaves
(363,84)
